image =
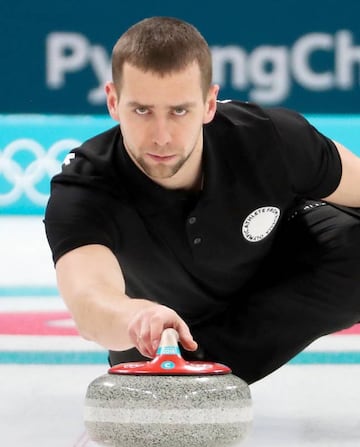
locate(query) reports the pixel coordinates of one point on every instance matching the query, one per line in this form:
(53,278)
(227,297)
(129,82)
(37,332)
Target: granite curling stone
(168,402)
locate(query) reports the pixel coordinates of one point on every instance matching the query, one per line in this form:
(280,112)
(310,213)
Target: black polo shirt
(191,252)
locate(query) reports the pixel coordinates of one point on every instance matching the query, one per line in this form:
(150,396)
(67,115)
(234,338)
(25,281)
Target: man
(213,218)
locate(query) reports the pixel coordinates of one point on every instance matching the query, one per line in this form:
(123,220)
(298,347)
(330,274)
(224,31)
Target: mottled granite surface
(171,411)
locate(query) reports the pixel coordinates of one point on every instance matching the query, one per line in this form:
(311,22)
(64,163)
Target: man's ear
(112,100)
(210,105)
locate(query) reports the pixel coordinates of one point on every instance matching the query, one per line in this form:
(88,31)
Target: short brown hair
(162,45)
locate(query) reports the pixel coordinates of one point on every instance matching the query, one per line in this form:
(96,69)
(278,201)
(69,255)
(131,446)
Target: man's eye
(180,112)
(141,110)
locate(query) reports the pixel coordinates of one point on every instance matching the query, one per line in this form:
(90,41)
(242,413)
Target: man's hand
(147,325)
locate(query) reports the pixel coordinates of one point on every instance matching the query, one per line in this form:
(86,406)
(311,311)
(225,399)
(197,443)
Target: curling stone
(168,402)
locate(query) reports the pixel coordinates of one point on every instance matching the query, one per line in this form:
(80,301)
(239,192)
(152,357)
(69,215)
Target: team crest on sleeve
(260,223)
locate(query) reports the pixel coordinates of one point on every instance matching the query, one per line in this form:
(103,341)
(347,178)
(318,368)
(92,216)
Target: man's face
(161,118)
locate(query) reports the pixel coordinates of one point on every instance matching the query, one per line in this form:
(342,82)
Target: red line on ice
(37,323)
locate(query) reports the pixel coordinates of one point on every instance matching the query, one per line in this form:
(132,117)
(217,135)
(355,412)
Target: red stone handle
(168,361)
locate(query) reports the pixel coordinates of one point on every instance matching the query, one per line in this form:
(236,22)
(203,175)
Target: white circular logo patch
(260,223)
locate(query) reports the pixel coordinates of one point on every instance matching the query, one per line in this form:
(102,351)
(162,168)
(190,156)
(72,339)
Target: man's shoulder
(240,112)
(245,118)
(94,154)
(93,164)
(236,120)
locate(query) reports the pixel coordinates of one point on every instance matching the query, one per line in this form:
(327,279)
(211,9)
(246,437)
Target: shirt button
(192,220)
(197,240)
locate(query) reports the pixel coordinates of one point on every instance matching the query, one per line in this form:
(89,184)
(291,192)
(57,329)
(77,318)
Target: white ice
(42,405)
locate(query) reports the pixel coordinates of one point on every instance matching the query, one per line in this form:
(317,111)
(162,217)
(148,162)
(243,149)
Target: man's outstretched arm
(92,285)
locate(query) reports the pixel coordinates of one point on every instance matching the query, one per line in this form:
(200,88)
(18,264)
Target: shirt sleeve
(312,160)
(77,216)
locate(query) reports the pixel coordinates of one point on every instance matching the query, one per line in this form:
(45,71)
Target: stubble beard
(161,170)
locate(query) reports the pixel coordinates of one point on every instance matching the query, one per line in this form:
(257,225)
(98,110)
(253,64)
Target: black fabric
(102,197)
(308,287)
(204,255)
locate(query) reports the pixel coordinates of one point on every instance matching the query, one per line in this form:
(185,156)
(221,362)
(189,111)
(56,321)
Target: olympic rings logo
(25,164)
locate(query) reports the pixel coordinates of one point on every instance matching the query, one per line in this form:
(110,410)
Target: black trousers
(307,288)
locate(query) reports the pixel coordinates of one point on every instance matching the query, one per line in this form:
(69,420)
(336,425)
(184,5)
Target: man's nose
(161,132)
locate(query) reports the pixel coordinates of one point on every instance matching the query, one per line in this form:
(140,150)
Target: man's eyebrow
(184,105)
(138,104)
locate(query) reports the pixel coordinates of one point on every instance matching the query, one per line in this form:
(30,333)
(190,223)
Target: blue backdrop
(55,56)
(32,149)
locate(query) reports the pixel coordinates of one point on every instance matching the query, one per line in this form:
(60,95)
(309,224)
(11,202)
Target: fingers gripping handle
(168,361)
